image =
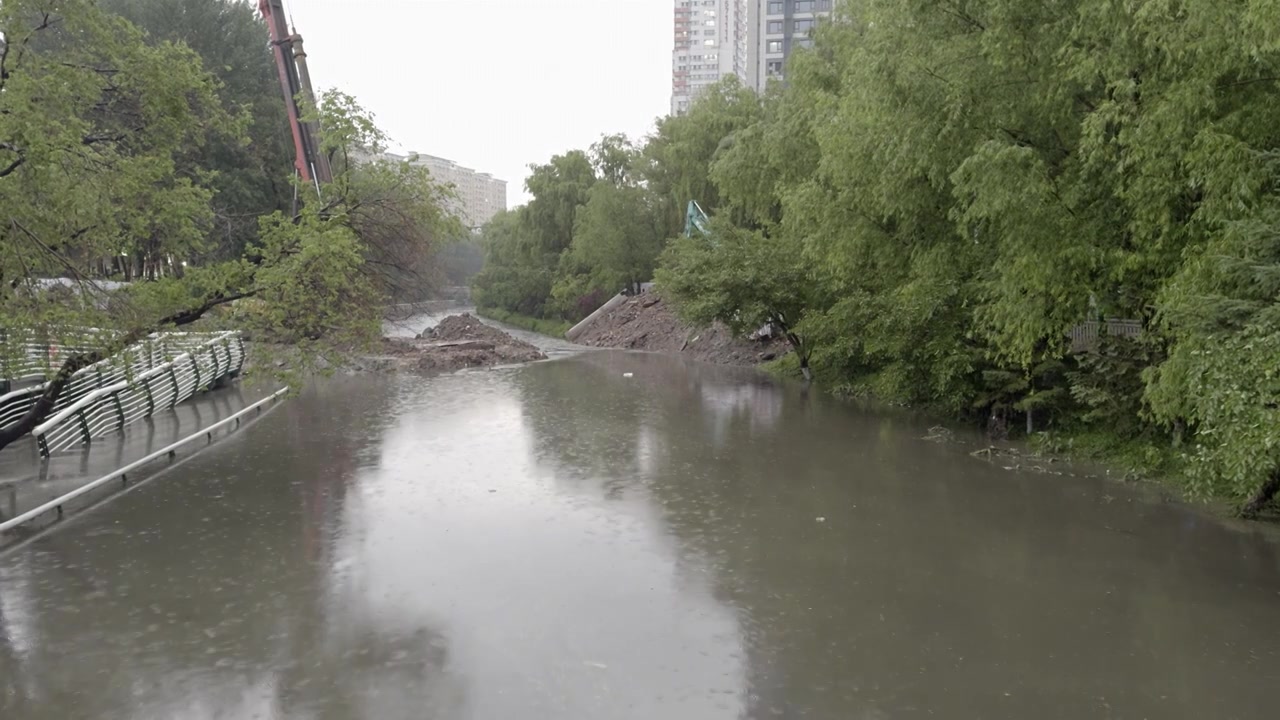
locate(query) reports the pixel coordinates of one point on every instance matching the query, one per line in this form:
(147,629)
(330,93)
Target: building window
(804,26)
(774,67)
(775,7)
(774,46)
(804,43)
(803,6)
(824,4)
(775,27)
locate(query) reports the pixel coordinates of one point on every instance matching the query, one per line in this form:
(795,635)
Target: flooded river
(563,541)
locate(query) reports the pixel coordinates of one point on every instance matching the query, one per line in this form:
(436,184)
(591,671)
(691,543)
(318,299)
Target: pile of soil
(645,322)
(460,341)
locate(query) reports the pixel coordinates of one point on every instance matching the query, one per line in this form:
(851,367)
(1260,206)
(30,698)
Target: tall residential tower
(776,28)
(711,42)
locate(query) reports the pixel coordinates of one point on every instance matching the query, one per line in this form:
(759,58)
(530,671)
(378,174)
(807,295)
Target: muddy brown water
(561,541)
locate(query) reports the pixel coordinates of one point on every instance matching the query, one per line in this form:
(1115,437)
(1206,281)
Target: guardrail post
(151,401)
(115,398)
(195,368)
(176,390)
(84,426)
(243,354)
(43,444)
(226,346)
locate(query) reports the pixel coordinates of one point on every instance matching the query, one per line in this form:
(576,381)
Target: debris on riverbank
(645,322)
(460,341)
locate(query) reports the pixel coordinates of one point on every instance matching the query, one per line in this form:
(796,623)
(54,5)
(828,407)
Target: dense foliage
(600,217)
(943,191)
(249,173)
(125,155)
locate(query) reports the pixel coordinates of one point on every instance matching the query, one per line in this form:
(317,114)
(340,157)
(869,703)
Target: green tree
(559,188)
(248,178)
(742,278)
(618,232)
(676,160)
(618,235)
(512,279)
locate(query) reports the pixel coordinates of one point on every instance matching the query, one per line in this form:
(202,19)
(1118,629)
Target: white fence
(156,374)
(27,355)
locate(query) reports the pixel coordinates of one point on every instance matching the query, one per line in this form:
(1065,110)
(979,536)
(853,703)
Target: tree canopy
(954,201)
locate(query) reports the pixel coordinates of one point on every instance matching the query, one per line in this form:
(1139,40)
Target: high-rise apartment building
(480,196)
(710,43)
(775,29)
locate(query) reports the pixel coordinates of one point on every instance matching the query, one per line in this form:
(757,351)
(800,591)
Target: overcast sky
(495,84)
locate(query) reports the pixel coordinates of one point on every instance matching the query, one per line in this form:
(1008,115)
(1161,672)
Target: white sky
(495,84)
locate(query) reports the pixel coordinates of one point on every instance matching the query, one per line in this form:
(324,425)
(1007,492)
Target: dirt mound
(645,322)
(460,341)
(464,327)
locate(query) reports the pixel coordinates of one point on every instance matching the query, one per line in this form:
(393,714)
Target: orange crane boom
(295,82)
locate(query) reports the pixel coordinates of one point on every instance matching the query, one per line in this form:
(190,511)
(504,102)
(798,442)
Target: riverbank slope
(646,322)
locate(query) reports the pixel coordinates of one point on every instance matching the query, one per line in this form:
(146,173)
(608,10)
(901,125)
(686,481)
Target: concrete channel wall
(576,331)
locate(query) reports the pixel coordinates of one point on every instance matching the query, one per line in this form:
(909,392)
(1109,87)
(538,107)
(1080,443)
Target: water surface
(562,541)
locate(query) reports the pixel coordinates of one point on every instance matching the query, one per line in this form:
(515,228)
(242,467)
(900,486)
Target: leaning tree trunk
(1262,497)
(797,344)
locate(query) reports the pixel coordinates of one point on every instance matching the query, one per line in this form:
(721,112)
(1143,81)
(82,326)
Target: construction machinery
(694,219)
(295,83)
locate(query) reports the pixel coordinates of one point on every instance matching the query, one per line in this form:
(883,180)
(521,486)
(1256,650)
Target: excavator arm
(694,219)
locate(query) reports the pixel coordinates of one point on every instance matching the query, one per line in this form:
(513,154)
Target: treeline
(943,191)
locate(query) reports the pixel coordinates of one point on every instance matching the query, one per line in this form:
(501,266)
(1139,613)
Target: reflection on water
(565,541)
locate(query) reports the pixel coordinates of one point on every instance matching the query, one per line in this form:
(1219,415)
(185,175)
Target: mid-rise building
(775,29)
(479,196)
(711,43)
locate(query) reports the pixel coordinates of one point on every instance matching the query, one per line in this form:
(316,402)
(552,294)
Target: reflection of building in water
(761,403)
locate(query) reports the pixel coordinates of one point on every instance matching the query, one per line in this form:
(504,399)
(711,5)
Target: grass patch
(552,328)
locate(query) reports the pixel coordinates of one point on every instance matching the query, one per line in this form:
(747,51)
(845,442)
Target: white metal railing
(156,350)
(27,354)
(1085,336)
(122,473)
(138,382)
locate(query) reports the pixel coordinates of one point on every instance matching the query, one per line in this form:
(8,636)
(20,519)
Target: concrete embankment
(646,322)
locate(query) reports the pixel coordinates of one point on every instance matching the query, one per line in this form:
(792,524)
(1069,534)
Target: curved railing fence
(104,398)
(27,355)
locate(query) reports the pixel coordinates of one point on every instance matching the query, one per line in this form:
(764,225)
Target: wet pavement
(27,480)
(561,541)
